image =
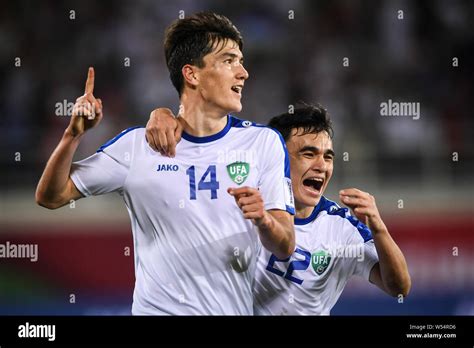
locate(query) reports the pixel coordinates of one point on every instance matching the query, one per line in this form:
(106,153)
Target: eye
(329,157)
(228,61)
(308,154)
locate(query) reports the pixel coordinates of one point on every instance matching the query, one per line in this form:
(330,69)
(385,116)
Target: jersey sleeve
(275,181)
(369,258)
(357,237)
(366,253)
(107,169)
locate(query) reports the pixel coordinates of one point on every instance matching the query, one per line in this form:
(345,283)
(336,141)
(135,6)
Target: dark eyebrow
(315,149)
(231,55)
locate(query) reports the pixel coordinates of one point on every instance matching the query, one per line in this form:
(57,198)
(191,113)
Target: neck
(202,119)
(303,211)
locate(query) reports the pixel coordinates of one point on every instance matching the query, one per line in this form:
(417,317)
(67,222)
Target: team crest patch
(320,261)
(238,171)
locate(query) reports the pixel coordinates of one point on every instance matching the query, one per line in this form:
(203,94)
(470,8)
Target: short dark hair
(188,40)
(310,118)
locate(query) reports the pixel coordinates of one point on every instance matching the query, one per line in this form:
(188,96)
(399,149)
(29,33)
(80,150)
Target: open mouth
(237,89)
(314,184)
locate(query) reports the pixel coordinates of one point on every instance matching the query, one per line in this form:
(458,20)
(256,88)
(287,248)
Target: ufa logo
(238,171)
(320,261)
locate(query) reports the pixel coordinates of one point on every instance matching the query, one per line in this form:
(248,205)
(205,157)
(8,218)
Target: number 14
(212,184)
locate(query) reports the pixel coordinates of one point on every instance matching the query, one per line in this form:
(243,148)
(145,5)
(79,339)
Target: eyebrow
(316,150)
(231,55)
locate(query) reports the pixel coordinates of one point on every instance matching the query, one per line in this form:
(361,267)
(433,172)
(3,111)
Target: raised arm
(391,272)
(55,188)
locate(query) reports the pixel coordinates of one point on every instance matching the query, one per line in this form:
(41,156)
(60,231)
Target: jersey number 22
(300,265)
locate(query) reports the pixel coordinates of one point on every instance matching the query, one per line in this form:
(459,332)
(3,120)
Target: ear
(190,74)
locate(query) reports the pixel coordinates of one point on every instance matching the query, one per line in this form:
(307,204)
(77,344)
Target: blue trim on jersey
(317,209)
(209,138)
(287,158)
(290,210)
(117,137)
(238,123)
(333,209)
(364,231)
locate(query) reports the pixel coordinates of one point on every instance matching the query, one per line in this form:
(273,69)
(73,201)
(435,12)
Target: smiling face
(311,163)
(221,80)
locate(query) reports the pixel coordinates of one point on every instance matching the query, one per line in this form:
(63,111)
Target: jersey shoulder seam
(117,137)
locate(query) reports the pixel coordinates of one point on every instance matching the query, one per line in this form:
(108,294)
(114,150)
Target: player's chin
(234,110)
(310,200)
(231,108)
(236,106)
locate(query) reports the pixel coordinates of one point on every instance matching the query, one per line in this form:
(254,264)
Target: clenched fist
(251,204)
(363,206)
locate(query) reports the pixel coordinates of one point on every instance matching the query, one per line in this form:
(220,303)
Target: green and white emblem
(320,261)
(238,171)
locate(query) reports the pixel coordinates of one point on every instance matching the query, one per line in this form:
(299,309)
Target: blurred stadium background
(83,250)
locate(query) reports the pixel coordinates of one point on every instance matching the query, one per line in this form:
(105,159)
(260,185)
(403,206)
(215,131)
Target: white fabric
(330,229)
(192,256)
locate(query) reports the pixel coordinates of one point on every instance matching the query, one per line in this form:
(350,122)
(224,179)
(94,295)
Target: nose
(242,74)
(319,164)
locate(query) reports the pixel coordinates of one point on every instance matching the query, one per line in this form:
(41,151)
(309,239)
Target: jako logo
(167,168)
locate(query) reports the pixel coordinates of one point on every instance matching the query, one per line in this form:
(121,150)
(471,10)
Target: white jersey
(194,251)
(331,246)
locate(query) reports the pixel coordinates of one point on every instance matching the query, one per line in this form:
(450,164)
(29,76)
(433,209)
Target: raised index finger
(90,81)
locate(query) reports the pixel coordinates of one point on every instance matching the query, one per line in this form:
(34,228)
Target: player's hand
(363,207)
(87,112)
(163,131)
(251,203)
